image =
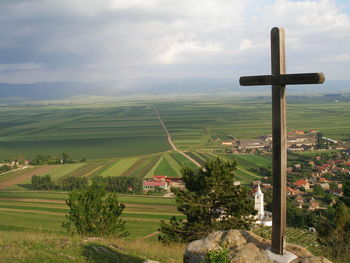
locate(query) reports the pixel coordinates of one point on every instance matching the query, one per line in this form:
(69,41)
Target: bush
(42,182)
(217,256)
(94,212)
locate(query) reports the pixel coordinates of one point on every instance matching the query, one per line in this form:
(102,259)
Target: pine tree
(210,202)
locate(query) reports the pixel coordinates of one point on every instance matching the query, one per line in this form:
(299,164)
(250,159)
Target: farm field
(45,211)
(129,129)
(193,123)
(89,131)
(145,166)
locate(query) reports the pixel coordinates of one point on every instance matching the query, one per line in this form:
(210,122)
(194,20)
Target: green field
(90,131)
(129,129)
(45,211)
(192,123)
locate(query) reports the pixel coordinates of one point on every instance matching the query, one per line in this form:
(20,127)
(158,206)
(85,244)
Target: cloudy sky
(105,40)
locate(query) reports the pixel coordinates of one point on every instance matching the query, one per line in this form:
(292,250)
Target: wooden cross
(279,79)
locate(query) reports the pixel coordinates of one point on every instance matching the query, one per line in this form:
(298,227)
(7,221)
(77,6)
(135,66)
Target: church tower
(259,203)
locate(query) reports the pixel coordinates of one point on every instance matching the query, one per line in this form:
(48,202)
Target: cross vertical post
(279,140)
(279,79)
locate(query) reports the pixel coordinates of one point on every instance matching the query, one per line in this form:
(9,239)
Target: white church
(263,218)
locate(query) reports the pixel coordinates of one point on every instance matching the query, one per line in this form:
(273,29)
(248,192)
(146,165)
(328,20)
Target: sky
(106,40)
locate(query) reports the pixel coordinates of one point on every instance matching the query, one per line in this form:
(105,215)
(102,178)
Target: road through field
(26,176)
(171,141)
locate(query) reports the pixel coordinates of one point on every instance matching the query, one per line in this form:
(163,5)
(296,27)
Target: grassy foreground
(37,247)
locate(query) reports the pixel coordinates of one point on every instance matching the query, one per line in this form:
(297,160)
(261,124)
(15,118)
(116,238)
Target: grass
(117,169)
(86,169)
(92,132)
(164,168)
(112,130)
(182,160)
(40,247)
(45,211)
(6,176)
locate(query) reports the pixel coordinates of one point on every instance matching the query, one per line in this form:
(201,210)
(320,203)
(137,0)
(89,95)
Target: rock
(233,238)
(250,253)
(243,247)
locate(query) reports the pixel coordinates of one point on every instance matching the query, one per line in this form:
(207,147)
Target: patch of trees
(333,232)
(6,168)
(300,218)
(120,184)
(210,202)
(42,182)
(68,183)
(41,159)
(94,212)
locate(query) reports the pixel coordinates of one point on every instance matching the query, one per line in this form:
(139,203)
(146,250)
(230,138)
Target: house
(250,144)
(321,169)
(313,204)
(323,180)
(302,183)
(297,166)
(298,132)
(147,186)
(338,192)
(311,163)
(300,201)
(227,143)
(159,178)
(325,186)
(292,192)
(295,149)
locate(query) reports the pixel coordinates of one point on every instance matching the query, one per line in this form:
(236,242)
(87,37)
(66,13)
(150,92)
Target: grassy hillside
(43,247)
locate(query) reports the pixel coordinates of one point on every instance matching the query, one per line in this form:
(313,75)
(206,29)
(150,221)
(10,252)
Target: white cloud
(185,47)
(142,38)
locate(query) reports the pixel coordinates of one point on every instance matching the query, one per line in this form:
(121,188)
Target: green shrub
(217,256)
(94,212)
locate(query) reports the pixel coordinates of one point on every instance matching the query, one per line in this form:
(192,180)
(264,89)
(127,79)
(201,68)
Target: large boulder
(244,247)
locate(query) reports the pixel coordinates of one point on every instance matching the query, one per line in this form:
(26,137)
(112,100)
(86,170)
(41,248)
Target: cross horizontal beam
(283,79)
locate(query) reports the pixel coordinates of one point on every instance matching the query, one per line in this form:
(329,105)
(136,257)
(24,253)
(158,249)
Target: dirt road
(171,142)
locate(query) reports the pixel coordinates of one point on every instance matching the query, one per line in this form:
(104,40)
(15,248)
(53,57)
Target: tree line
(112,184)
(68,183)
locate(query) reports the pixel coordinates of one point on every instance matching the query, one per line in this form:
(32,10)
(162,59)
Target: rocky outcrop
(244,247)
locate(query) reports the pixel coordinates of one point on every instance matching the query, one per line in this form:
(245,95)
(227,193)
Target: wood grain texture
(279,143)
(283,79)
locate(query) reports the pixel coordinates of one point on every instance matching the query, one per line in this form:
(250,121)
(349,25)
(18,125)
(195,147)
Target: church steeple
(259,203)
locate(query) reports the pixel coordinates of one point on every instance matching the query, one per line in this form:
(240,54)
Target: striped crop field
(182,160)
(63,170)
(196,157)
(145,167)
(88,169)
(253,160)
(164,168)
(118,168)
(45,211)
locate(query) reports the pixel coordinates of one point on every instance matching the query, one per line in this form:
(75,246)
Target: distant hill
(156,86)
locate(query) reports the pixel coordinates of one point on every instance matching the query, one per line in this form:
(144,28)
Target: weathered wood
(285,79)
(279,143)
(279,79)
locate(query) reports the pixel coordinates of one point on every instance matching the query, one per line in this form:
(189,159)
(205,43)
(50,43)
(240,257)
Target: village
(297,141)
